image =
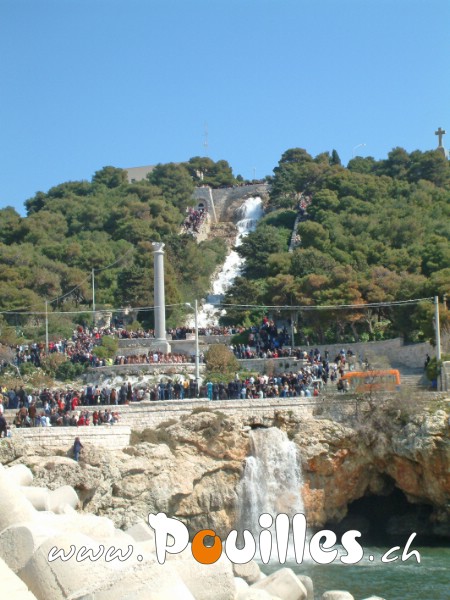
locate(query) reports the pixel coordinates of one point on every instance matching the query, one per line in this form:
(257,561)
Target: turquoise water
(429,580)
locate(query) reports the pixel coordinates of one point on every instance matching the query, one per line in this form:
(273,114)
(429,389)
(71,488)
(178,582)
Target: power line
(19,311)
(280,307)
(306,307)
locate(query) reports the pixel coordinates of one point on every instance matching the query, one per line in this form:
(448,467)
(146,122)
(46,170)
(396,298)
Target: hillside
(106,225)
(374,232)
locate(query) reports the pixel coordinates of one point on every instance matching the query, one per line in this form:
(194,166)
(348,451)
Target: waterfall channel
(251,211)
(272,479)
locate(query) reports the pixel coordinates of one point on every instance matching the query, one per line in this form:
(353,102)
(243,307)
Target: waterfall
(250,213)
(272,480)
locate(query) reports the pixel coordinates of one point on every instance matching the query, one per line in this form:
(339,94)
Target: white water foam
(272,483)
(272,480)
(208,314)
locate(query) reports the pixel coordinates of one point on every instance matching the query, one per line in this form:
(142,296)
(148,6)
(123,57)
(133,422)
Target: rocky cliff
(191,469)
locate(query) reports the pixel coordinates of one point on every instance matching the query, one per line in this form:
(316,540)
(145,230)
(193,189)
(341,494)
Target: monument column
(159,296)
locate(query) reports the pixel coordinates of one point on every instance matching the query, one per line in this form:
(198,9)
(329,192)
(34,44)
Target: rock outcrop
(190,468)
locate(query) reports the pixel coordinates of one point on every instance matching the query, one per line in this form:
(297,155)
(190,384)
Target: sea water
(429,580)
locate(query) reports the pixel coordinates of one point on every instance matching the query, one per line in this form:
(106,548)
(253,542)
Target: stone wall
(225,198)
(112,437)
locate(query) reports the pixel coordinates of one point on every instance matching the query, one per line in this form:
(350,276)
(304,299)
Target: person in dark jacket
(77,447)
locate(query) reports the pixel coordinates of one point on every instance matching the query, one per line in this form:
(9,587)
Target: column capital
(158,246)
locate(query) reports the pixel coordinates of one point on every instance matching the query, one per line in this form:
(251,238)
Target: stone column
(159,297)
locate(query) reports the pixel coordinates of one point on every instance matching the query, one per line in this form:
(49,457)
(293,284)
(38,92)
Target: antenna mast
(205,141)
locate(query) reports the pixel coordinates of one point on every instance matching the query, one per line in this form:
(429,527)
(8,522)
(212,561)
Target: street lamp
(197,357)
(355,147)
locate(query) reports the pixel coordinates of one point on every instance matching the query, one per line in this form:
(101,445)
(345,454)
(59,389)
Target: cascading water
(251,211)
(272,480)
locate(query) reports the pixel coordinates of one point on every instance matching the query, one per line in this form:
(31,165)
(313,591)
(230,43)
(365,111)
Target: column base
(161,346)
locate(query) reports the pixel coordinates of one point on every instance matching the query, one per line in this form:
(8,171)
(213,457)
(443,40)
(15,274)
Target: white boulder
(250,572)
(14,507)
(309,586)
(337,595)
(19,542)
(12,586)
(62,497)
(38,496)
(20,475)
(198,577)
(283,583)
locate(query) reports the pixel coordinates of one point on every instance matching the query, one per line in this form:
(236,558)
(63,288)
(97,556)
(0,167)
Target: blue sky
(89,83)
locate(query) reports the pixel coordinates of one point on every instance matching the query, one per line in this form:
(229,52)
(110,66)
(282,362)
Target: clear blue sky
(89,83)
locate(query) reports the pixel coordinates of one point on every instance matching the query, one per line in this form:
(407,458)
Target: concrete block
(309,586)
(283,583)
(198,577)
(38,496)
(337,595)
(12,586)
(240,584)
(60,579)
(14,507)
(144,582)
(98,528)
(250,572)
(19,542)
(251,594)
(61,497)
(20,475)
(141,532)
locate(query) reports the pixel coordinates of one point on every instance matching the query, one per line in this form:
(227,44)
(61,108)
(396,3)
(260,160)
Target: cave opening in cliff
(388,519)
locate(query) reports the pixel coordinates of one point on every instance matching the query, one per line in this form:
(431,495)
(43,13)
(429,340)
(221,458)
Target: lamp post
(93,297)
(197,357)
(355,147)
(437,328)
(46,326)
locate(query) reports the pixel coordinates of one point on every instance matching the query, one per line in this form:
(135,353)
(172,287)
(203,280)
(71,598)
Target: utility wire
(19,311)
(279,307)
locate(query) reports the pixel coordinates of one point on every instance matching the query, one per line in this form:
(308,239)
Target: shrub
(68,371)
(220,359)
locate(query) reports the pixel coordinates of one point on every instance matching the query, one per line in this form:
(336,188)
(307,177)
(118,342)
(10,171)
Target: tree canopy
(374,232)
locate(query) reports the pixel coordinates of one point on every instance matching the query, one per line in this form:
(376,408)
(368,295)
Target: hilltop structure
(440,133)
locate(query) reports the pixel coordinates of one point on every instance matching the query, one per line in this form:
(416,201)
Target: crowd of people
(80,348)
(156,358)
(47,408)
(195,218)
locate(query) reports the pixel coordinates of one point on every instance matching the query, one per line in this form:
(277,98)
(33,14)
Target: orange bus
(370,381)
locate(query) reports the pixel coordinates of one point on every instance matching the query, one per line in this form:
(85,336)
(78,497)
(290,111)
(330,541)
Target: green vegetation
(377,231)
(221,364)
(78,226)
